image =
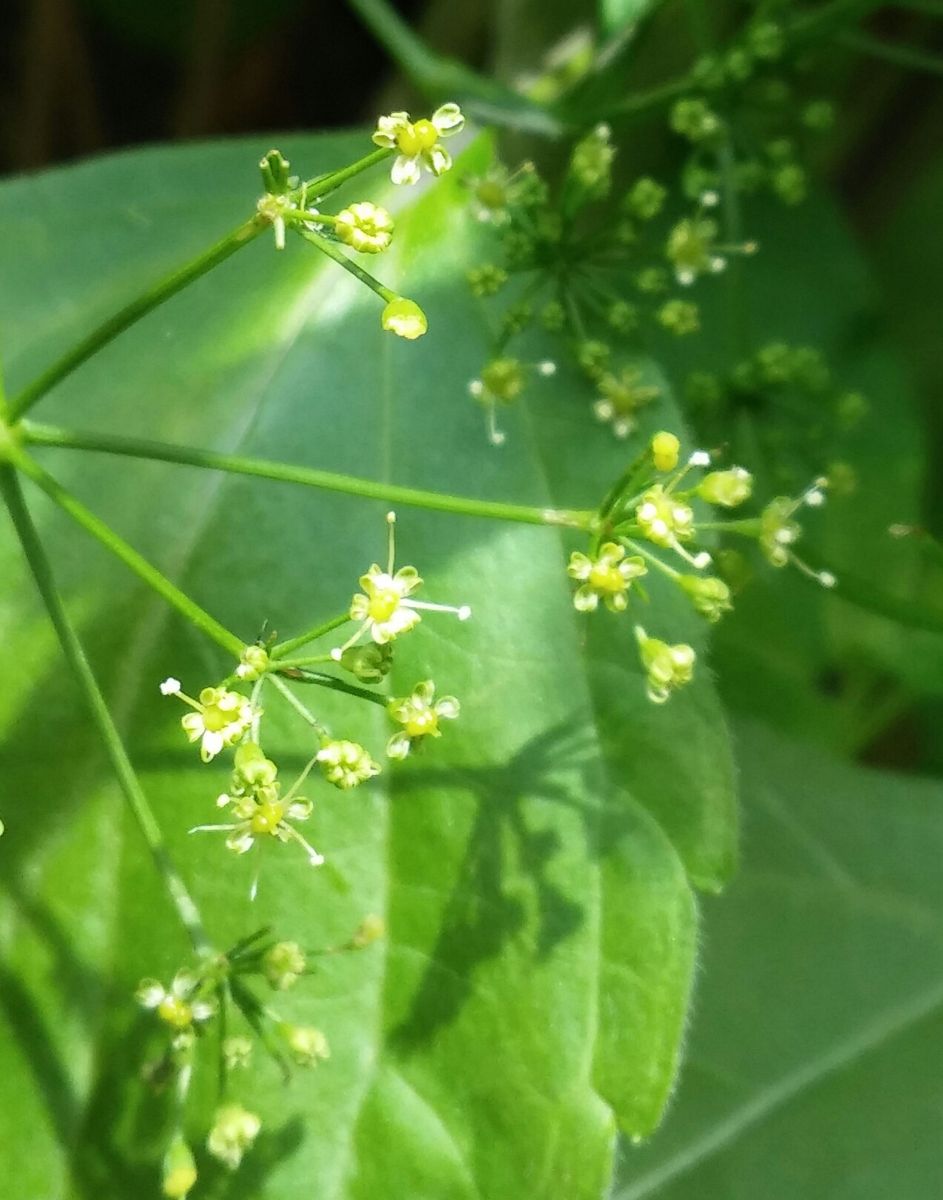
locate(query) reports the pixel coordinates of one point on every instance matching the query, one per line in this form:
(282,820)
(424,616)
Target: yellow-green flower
(404,318)
(345,764)
(259,809)
(220,717)
(234,1130)
(667,667)
(283,963)
(663,519)
(179,1006)
(364,226)
(606,577)
(307,1045)
(419,715)
(179,1170)
(418,142)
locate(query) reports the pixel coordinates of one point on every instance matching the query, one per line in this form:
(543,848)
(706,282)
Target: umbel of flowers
(259,808)
(598,272)
(188,1011)
(649,522)
(290,205)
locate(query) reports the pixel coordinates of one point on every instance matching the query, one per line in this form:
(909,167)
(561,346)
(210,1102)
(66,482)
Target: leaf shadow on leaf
(482,914)
(96,1166)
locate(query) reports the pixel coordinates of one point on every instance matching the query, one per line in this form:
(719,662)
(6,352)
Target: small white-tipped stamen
(827,579)
(685,278)
(464,612)
(702,560)
(337,654)
(700,458)
(475,388)
(170,687)
(710,199)
(547,368)
(718,264)
(814,498)
(391,518)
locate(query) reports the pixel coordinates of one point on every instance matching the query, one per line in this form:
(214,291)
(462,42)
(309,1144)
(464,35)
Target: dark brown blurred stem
(198,99)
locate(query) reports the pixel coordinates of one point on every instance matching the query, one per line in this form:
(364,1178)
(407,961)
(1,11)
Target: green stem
(283,649)
(178,279)
(331,682)
(296,704)
(49,435)
(129,556)
(75,655)
(909,57)
(322,185)
(137,308)
(332,250)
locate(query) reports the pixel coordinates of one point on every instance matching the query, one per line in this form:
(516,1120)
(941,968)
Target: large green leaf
(815,1061)
(533,867)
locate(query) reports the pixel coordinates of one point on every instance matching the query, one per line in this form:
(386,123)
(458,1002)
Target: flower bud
(254,662)
(345,764)
(710,596)
(178,1174)
(404,318)
(667,667)
(234,1130)
(306,1044)
(370,930)
(665,449)
(283,963)
(726,488)
(365,227)
(369,663)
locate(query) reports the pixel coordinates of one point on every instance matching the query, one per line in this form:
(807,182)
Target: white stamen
(814,498)
(827,579)
(700,458)
(547,368)
(391,518)
(702,560)
(718,264)
(464,612)
(475,388)
(170,687)
(337,654)
(710,199)
(685,278)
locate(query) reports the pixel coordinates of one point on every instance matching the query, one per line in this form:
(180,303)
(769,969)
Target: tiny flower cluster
(365,227)
(186,1009)
(654,509)
(756,145)
(796,411)
(259,808)
(598,271)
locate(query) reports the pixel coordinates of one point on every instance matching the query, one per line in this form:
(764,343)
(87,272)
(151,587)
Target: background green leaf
(533,866)
(814,1063)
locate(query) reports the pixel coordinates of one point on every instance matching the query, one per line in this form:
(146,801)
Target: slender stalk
(283,649)
(50,435)
(322,185)
(331,682)
(130,557)
(149,299)
(296,704)
(332,250)
(178,279)
(74,652)
(910,57)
